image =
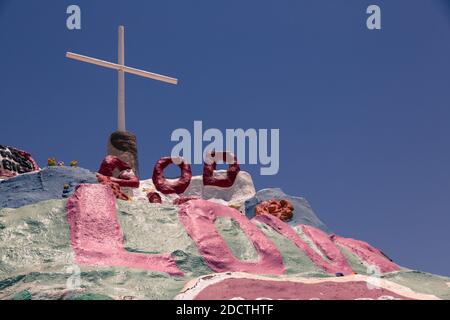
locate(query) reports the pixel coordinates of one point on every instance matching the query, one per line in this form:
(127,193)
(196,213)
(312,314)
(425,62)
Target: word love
(98,240)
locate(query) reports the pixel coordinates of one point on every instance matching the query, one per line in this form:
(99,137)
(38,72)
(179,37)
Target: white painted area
(242,190)
(146,186)
(235,196)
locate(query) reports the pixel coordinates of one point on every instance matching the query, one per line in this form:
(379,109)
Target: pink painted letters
(198,218)
(97,237)
(367,253)
(98,240)
(335,262)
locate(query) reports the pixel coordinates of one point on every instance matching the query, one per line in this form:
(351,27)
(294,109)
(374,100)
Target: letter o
(167,186)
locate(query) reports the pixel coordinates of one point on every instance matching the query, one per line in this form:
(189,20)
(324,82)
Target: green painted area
(34,237)
(150,228)
(116,283)
(240,245)
(192,265)
(156,229)
(295,261)
(23,295)
(356,263)
(119,283)
(422,282)
(89,296)
(5,283)
(36,252)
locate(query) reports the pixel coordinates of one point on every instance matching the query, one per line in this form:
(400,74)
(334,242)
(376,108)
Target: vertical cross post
(121,81)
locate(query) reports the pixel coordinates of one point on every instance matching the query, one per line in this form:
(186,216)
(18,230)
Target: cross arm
(118,67)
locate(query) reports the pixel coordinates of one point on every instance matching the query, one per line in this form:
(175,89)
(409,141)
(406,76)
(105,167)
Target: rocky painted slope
(86,244)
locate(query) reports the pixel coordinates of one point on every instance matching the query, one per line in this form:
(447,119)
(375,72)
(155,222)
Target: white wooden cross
(122,69)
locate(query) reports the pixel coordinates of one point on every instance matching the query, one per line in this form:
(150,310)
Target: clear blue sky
(364,115)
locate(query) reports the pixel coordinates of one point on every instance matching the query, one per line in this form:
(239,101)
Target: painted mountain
(64,235)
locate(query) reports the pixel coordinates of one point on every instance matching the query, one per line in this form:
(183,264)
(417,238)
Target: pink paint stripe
(367,253)
(251,289)
(327,247)
(336,263)
(198,217)
(97,236)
